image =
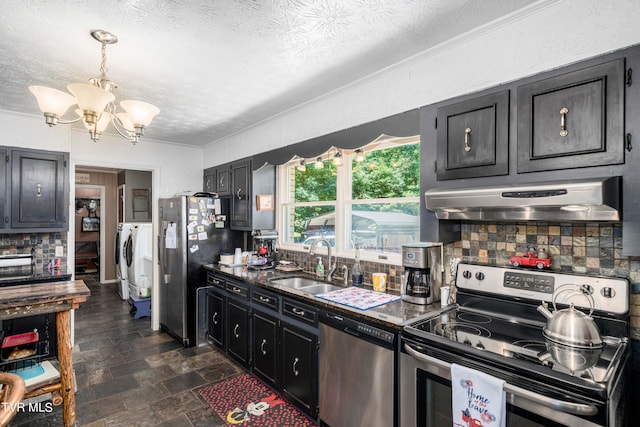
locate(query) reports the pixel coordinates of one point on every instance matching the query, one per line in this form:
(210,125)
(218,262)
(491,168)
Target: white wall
(547,35)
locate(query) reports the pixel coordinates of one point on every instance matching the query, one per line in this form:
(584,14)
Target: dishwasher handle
(549,402)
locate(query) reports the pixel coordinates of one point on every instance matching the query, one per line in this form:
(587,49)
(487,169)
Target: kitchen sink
(305,284)
(320,288)
(295,282)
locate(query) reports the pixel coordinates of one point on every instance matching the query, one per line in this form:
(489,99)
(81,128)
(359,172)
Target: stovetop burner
(496,319)
(520,341)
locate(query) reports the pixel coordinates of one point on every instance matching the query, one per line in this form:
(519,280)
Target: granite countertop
(395,314)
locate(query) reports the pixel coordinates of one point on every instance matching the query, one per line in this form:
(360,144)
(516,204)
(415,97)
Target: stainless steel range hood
(596,199)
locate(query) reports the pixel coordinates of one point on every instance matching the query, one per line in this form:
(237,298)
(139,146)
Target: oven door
(425,396)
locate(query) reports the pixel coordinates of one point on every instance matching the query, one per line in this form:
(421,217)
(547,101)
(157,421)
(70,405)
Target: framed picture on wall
(90,223)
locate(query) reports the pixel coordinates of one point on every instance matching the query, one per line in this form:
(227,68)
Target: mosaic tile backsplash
(44,245)
(593,248)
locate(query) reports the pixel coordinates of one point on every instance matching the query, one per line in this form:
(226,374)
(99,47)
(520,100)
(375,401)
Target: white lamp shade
(51,100)
(139,112)
(126,122)
(102,124)
(90,98)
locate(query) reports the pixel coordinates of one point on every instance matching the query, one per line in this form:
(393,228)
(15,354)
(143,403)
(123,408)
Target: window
(372,199)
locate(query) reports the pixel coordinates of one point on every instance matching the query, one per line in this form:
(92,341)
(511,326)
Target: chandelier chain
(103,63)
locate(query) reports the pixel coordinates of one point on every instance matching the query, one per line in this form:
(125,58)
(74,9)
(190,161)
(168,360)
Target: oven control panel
(607,294)
(529,282)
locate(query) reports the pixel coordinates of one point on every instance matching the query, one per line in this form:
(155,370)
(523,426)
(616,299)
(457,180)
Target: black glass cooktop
(517,340)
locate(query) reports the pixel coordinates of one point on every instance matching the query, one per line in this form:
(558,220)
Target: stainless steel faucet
(330,268)
(345,274)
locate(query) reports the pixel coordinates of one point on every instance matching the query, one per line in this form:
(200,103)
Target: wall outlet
(60,251)
(392,271)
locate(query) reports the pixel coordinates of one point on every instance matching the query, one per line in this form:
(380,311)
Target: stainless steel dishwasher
(357,370)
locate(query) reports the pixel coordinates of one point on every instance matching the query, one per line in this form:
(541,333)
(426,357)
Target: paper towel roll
(15,261)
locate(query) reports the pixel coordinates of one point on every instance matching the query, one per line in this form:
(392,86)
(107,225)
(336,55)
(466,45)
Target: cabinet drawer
(240,290)
(265,299)
(572,120)
(299,311)
(215,281)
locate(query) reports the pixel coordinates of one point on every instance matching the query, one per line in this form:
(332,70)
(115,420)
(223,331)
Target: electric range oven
(495,328)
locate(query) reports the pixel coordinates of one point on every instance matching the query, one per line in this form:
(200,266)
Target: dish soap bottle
(320,269)
(356,273)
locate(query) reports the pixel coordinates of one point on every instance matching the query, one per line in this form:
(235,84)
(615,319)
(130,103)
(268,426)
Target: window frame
(343,204)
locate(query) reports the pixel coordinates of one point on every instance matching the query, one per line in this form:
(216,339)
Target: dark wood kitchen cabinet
(238,331)
(300,368)
(223,180)
(241,195)
(210,180)
(265,339)
(572,120)
(39,190)
(473,137)
(216,317)
(265,347)
(299,335)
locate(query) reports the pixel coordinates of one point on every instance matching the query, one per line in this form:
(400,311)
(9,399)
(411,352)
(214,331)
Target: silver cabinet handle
(263,299)
(38,190)
(563,127)
(238,194)
(214,318)
(295,371)
(467,147)
(235,331)
(297,311)
(264,352)
(236,290)
(559,405)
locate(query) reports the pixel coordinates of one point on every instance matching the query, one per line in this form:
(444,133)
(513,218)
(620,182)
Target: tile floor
(129,375)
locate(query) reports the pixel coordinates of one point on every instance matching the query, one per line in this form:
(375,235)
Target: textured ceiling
(214,67)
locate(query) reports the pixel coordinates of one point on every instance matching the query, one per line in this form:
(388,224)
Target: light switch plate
(59,250)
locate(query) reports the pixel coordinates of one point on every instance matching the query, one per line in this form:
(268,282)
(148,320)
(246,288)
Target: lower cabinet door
(238,331)
(265,347)
(300,368)
(216,318)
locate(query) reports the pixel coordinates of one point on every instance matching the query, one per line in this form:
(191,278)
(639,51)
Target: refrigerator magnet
(219,224)
(193,237)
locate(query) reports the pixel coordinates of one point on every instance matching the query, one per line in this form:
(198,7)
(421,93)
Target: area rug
(245,401)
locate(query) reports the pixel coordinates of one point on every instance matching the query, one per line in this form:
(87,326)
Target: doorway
(89,229)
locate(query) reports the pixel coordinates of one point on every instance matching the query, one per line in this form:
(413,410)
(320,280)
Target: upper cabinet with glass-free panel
(39,190)
(572,120)
(473,137)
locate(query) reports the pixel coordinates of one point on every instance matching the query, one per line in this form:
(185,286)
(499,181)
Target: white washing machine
(138,247)
(122,235)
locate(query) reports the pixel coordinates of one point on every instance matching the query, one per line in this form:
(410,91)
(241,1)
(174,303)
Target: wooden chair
(12,392)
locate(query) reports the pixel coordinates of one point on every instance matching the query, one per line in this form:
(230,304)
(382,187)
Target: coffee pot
(422,276)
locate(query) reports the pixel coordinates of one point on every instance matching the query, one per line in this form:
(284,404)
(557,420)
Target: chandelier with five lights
(95,100)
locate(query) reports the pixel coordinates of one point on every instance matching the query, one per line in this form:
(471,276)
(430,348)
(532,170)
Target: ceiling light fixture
(359,155)
(302,167)
(319,164)
(96,102)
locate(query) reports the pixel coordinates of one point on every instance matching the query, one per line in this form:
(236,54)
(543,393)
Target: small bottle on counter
(356,273)
(320,269)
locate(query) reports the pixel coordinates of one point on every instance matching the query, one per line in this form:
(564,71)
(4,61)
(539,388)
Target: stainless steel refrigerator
(194,231)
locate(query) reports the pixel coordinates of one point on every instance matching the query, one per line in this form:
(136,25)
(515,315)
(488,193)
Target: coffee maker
(264,246)
(423,271)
